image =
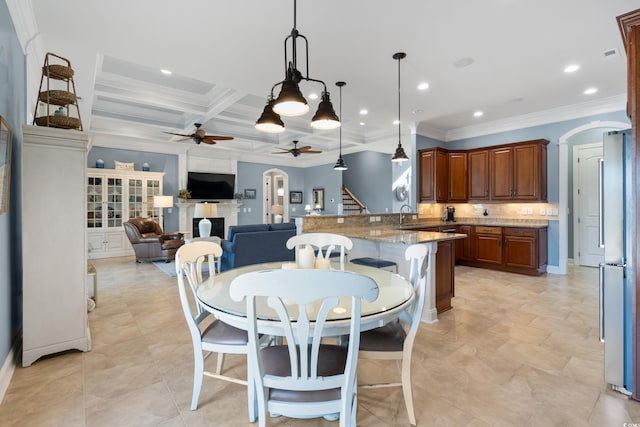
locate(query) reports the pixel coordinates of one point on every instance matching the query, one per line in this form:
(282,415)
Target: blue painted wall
(13,109)
(167,163)
(369,178)
(324,176)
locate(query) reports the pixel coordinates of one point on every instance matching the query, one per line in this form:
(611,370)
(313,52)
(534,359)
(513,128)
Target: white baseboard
(8,367)
(554,269)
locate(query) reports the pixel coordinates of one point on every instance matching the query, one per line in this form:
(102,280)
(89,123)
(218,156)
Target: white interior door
(586,250)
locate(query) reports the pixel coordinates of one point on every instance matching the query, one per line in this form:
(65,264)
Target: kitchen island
(385,236)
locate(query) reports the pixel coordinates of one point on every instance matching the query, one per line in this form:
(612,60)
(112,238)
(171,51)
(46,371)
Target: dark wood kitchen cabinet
(488,244)
(478,173)
(518,172)
(457,177)
(434,165)
(525,249)
(445,269)
(464,247)
(514,249)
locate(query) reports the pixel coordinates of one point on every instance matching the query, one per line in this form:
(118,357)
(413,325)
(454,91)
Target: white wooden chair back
(303,301)
(419,269)
(189,261)
(324,243)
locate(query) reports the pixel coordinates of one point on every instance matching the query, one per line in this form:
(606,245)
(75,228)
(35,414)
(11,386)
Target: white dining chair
(323,244)
(218,337)
(394,341)
(304,377)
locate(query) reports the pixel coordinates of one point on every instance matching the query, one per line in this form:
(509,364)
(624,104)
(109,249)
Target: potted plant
(183,195)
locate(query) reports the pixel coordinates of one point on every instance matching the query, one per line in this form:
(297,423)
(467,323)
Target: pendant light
(270,121)
(290,102)
(340,165)
(399,155)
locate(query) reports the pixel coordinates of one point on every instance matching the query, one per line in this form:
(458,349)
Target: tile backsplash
(548,211)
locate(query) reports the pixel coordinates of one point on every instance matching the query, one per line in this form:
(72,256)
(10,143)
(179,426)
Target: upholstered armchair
(149,242)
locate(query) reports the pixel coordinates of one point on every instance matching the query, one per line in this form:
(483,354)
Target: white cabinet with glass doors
(114,196)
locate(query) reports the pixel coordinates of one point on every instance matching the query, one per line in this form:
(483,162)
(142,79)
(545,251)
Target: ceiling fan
(297,151)
(201,136)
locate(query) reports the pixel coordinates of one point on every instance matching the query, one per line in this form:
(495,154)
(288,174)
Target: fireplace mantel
(227,210)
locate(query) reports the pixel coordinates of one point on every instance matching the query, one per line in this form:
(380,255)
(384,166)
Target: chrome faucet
(401,208)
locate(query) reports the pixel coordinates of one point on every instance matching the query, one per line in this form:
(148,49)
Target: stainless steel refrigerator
(615,272)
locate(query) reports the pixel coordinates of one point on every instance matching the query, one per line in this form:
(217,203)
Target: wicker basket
(62,122)
(57,97)
(59,72)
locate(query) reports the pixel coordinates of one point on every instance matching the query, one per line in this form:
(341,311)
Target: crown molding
(554,115)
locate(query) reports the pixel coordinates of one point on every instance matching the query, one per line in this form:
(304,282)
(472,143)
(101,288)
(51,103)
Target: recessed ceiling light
(313,96)
(362,123)
(478,114)
(590,91)
(571,68)
(396,122)
(463,62)
(423,86)
(364,112)
(167,72)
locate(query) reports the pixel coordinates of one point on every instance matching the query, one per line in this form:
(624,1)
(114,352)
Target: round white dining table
(395,295)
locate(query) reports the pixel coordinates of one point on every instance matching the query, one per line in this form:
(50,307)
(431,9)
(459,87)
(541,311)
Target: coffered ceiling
(502,57)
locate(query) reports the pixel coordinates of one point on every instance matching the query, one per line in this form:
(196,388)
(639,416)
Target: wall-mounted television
(207,186)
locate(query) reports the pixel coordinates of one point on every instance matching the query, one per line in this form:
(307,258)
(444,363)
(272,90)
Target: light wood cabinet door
(478,174)
(457,178)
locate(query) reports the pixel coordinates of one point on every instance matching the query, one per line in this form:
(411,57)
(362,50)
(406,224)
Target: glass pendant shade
(400,155)
(340,165)
(269,121)
(325,117)
(290,102)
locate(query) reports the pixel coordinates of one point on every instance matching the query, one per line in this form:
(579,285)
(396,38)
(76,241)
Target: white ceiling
(226,55)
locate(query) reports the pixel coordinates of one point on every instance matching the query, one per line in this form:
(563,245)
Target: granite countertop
(392,235)
(496,222)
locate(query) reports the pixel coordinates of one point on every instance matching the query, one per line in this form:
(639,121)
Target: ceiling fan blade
(312,151)
(282,152)
(178,134)
(305,148)
(219,138)
(208,141)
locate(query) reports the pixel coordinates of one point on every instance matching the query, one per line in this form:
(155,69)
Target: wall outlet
(555,211)
(550,211)
(523,211)
(414,217)
(249,210)
(372,219)
(340,220)
(543,211)
(378,219)
(529,211)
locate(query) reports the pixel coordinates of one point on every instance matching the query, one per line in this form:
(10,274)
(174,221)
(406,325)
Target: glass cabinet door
(94,202)
(114,202)
(153,189)
(136,208)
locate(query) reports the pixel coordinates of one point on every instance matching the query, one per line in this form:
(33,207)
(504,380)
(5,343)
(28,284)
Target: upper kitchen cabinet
(518,172)
(457,177)
(478,174)
(434,176)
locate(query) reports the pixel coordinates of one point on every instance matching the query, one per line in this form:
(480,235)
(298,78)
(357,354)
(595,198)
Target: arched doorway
(275,202)
(563,190)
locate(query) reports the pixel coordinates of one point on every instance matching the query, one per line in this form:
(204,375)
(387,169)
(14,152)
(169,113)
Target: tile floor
(514,351)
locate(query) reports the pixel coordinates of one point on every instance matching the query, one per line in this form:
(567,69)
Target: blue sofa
(257,243)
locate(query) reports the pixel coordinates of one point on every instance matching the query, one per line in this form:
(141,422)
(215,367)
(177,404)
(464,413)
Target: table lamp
(307,209)
(163,202)
(205,211)
(277,213)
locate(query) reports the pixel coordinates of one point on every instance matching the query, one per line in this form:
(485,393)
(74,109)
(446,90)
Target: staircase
(350,204)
